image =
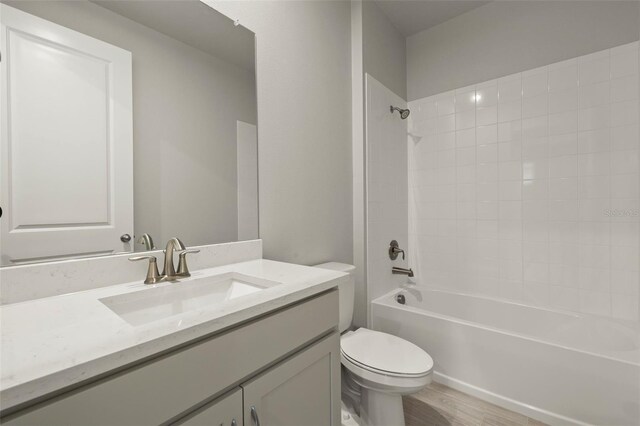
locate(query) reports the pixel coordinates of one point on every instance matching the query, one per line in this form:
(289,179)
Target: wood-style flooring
(439,405)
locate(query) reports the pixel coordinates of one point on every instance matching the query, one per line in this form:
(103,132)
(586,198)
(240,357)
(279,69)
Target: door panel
(301,391)
(66,155)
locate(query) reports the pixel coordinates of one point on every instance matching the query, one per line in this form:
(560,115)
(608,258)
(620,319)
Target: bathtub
(554,366)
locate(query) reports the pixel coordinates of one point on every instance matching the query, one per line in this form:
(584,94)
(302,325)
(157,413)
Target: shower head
(404,113)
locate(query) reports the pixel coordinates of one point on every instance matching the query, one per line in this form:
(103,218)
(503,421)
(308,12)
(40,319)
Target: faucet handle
(394,250)
(183,269)
(153,276)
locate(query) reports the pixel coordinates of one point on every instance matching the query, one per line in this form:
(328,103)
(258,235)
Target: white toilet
(384,366)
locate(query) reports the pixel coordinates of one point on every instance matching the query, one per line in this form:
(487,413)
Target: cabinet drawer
(161,389)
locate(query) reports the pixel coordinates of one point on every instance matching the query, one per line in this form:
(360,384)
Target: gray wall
(186,104)
(384,52)
(378,49)
(358,166)
(505,37)
(304,134)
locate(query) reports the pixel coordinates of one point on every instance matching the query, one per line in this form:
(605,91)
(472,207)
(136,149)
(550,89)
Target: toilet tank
(346,292)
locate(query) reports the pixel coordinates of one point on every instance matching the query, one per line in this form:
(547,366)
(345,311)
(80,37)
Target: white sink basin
(152,304)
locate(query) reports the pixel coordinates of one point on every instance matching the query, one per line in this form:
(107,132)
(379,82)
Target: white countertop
(51,343)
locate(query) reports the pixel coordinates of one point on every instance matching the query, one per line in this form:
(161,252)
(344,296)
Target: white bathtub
(558,367)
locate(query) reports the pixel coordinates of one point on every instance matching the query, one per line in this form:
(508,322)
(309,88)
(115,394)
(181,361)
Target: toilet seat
(376,371)
(385,362)
(385,353)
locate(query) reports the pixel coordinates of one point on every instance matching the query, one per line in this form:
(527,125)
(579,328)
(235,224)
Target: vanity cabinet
(297,392)
(286,364)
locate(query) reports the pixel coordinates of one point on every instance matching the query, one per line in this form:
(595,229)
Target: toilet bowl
(384,367)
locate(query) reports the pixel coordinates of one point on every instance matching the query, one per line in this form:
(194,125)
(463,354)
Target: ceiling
(412,16)
(207,30)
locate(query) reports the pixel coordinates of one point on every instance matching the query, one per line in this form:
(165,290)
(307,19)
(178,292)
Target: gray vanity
(280,368)
(268,357)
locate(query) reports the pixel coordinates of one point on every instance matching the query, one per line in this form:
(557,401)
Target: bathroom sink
(152,304)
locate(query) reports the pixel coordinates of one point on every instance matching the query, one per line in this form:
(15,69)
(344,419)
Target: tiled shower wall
(526,187)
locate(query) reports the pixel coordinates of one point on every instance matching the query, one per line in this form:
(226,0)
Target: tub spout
(402,271)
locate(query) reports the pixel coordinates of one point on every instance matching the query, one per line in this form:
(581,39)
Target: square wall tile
(563,188)
(535,83)
(535,189)
(446,103)
(591,95)
(510,88)
(624,113)
(624,62)
(625,137)
(535,106)
(624,88)
(487,134)
(465,119)
(563,78)
(594,140)
(593,69)
(562,145)
(509,111)
(487,153)
(487,115)
(487,94)
(565,100)
(465,100)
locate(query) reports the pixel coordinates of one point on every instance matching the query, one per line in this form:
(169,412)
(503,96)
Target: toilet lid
(385,352)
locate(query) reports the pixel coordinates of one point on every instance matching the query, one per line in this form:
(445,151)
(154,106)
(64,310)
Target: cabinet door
(224,411)
(303,390)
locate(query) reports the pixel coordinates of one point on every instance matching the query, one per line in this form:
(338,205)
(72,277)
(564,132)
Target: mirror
(122,119)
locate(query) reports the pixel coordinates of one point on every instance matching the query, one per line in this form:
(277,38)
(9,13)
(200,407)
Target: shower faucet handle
(394,250)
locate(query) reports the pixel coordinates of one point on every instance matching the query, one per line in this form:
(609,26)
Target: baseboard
(507,403)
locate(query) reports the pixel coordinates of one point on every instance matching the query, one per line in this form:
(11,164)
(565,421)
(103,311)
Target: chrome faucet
(174,245)
(169,271)
(402,271)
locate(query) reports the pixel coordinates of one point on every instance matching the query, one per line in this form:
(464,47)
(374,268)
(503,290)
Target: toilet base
(381,409)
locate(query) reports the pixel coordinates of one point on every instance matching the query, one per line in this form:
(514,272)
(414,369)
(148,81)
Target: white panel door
(66,154)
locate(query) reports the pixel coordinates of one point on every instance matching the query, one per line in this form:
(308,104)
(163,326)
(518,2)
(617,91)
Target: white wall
(304,94)
(184,125)
(504,37)
(377,49)
(358,162)
(387,187)
(248,213)
(527,187)
(384,51)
